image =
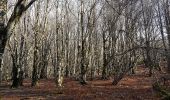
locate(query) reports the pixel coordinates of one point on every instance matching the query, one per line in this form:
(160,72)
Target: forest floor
(132,87)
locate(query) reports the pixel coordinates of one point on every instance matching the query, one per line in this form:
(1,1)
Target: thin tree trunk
(82,66)
(35,63)
(104,58)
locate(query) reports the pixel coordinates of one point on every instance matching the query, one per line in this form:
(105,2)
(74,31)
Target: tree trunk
(3,40)
(82,66)
(167,20)
(117,79)
(34,76)
(43,74)
(17,72)
(104,58)
(0,71)
(82,69)
(35,63)
(15,82)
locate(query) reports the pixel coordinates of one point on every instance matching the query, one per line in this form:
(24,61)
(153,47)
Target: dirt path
(135,87)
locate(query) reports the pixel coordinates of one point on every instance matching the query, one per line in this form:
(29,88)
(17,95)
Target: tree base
(59,90)
(104,78)
(83,82)
(162,92)
(15,83)
(33,84)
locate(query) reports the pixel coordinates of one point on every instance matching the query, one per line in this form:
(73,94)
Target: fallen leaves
(134,87)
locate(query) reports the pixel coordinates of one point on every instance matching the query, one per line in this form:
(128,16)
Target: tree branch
(29,4)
